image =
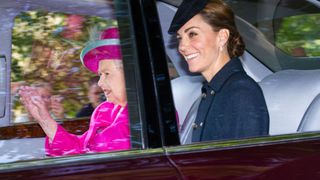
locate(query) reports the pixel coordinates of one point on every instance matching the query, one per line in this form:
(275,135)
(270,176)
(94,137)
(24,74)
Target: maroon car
(42,40)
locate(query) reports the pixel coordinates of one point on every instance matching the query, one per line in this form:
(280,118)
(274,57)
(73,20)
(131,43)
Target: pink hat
(106,48)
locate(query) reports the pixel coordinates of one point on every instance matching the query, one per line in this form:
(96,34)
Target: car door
(151,110)
(273,32)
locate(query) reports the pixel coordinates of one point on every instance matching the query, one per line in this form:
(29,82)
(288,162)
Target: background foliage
(300,32)
(46,48)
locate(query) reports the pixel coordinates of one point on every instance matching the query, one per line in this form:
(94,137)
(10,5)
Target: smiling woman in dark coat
(232,105)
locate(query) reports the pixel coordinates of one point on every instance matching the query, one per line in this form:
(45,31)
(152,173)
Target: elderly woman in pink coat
(109,124)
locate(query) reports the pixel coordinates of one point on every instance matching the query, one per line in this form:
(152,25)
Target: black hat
(186,10)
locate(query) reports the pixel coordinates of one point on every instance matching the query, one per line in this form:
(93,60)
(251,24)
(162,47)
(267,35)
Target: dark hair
(220,16)
(94,80)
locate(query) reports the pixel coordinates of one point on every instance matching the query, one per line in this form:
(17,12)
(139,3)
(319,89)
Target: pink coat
(108,131)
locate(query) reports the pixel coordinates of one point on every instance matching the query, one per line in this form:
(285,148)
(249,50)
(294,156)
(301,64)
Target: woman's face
(112,82)
(199,45)
(94,94)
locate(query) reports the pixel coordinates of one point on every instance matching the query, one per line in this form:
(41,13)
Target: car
(282,55)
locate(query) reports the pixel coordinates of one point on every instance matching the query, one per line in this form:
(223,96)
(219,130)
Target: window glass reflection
(47,40)
(298,35)
(46,48)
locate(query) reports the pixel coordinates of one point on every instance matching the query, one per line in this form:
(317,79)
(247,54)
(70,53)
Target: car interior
(291,89)
(291,95)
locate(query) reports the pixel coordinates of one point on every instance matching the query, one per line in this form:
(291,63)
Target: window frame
(161,126)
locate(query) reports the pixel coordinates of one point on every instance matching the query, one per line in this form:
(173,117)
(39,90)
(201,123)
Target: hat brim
(186,11)
(100,50)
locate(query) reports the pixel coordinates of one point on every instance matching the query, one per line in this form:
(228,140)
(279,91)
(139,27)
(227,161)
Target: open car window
(279,35)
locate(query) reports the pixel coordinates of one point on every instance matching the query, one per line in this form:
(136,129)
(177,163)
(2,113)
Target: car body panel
(116,165)
(263,158)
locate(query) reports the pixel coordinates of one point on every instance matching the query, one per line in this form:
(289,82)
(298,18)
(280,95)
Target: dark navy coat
(232,107)
(85,111)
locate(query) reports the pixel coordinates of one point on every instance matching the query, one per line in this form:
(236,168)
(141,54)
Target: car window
(41,48)
(283,34)
(46,48)
(279,35)
(304,42)
(294,29)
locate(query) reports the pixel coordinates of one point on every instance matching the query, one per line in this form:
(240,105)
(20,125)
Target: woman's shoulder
(105,106)
(103,112)
(241,79)
(240,84)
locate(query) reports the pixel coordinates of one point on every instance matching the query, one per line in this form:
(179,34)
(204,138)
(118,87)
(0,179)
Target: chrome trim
(3,84)
(108,156)
(235,144)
